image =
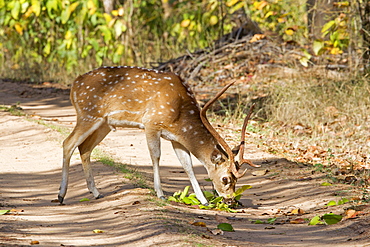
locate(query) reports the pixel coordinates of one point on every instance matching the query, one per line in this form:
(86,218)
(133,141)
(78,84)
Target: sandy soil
(30,170)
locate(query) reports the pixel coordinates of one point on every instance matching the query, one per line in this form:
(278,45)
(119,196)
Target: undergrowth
(310,119)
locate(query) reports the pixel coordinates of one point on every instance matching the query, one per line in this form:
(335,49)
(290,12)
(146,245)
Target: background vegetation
(59,38)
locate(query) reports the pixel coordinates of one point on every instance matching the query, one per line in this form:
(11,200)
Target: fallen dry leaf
(217,232)
(199,223)
(16,210)
(34,242)
(269,227)
(136,202)
(259,172)
(257,37)
(297,211)
(98,231)
(351,213)
(120,212)
(297,221)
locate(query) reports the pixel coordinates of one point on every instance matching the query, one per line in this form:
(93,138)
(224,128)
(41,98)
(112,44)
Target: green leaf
(331,203)
(326,184)
(258,222)
(317,46)
(242,189)
(331,218)
(216,200)
(65,16)
(106,33)
(271,220)
(343,201)
(84,200)
(304,61)
(194,201)
(327,26)
(4,211)
(185,192)
(16,10)
(208,180)
(225,227)
(172,199)
(237,198)
(315,221)
(50,6)
(36,6)
(46,49)
(209,195)
(119,28)
(187,200)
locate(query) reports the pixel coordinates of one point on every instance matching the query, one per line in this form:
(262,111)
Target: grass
(132,174)
(15,110)
(332,115)
(313,118)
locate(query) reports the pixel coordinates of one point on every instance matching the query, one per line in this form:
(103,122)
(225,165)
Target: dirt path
(30,170)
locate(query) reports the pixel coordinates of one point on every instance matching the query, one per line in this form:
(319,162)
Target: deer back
(144,98)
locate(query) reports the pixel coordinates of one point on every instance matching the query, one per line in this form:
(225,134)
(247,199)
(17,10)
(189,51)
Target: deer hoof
(99,196)
(60,199)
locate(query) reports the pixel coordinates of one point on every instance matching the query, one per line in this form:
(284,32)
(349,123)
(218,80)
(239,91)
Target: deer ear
(216,157)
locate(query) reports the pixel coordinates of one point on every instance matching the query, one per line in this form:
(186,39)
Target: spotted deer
(164,106)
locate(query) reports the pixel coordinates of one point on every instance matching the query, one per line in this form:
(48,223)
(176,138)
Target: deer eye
(225,180)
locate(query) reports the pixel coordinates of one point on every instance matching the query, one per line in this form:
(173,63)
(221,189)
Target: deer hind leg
(154,146)
(185,159)
(82,131)
(85,151)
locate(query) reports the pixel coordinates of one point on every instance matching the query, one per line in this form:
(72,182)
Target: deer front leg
(154,146)
(185,159)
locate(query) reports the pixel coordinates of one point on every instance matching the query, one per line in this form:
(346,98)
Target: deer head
(226,167)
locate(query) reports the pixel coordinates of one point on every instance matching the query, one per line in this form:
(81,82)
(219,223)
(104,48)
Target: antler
(220,140)
(242,141)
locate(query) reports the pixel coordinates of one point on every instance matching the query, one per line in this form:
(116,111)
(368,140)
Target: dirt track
(30,169)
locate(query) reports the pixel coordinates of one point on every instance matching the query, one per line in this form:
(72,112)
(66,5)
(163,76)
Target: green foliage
(14,110)
(77,35)
(4,211)
(326,219)
(214,201)
(337,31)
(225,227)
(270,221)
(283,17)
(340,202)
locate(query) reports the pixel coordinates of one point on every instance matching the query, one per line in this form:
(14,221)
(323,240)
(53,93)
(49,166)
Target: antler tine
(212,130)
(242,141)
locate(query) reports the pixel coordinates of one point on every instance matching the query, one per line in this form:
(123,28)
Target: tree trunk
(108,6)
(365,30)
(319,13)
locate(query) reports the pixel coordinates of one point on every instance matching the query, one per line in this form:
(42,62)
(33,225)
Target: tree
(108,6)
(319,13)
(364,7)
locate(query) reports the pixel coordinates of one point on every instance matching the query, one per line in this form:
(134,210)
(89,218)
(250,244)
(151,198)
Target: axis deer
(161,104)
